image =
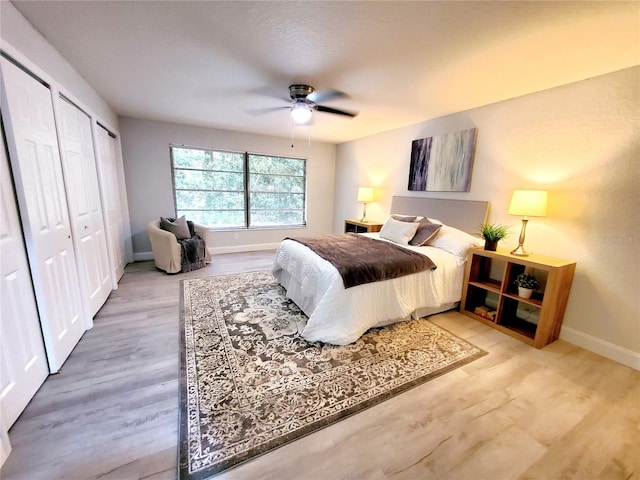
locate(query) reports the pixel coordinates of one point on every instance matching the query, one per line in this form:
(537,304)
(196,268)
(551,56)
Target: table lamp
(527,203)
(365,194)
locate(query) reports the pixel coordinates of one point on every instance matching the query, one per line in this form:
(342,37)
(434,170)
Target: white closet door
(85,210)
(110,190)
(23,362)
(35,159)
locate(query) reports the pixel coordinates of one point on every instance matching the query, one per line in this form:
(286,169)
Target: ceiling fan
(305,99)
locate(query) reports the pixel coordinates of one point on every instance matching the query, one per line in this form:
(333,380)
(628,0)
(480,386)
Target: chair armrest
(166,249)
(203,232)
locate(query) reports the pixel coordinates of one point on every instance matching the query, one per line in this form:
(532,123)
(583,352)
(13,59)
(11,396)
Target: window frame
(246,187)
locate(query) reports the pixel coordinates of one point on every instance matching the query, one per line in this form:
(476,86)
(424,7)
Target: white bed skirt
(340,316)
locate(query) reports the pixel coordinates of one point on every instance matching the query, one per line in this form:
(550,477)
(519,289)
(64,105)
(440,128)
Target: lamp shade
(529,203)
(301,113)
(365,194)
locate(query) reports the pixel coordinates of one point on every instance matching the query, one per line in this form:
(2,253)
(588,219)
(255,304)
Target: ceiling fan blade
(271,92)
(263,111)
(319,97)
(320,108)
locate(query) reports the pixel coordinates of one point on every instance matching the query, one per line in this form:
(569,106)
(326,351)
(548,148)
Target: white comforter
(340,316)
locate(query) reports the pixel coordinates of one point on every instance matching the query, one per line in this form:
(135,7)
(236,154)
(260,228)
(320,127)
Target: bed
(339,315)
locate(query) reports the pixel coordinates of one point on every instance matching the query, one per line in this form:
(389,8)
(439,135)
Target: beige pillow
(178,227)
(397,231)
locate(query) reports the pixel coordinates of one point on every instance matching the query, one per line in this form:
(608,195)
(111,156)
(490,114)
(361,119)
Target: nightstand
(490,296)
(356,226)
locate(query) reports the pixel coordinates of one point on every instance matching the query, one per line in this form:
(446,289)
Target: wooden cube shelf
(490,295)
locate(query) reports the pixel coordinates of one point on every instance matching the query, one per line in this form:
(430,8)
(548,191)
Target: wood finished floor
(517,413)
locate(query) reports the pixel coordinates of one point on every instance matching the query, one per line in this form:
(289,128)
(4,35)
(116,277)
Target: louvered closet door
(85,209)
(27,112)
(23,362)
(110,190)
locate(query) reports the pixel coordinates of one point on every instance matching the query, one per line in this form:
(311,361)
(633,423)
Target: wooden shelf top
(365,224)
(532,259)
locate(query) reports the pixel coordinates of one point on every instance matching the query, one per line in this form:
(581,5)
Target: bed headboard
(465,215)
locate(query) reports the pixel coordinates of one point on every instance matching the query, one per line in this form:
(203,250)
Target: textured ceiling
(213,63)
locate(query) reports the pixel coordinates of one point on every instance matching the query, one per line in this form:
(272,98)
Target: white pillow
(455,241)
(398,232)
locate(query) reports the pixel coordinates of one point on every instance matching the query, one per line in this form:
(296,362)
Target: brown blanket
(193,250)
(361,259)
(193,253)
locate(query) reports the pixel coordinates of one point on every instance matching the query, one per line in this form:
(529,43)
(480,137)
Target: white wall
(147,164)
(581,142)
(17,33)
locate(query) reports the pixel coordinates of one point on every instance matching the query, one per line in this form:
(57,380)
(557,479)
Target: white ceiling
(211,63)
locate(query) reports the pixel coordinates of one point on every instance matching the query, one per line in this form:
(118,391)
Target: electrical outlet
(236,236)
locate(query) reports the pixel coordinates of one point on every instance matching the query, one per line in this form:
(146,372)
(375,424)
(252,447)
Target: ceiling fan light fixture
(300,113)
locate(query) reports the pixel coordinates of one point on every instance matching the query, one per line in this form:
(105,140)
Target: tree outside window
(226,190)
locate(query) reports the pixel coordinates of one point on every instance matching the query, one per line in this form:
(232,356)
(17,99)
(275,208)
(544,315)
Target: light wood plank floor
(517,413)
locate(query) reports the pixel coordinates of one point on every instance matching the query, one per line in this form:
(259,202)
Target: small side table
(356,226)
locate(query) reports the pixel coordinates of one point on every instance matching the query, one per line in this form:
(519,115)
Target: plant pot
(525,292)
(491,246)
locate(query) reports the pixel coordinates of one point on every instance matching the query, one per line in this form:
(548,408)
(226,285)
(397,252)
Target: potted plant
(492,234)
(526,283)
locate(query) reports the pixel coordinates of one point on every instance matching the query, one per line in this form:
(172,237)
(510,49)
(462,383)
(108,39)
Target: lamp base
(519,251)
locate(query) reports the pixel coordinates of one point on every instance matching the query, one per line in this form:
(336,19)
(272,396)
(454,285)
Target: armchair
(167,253)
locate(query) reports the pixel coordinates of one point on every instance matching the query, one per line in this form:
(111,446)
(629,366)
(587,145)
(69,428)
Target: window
(238,189)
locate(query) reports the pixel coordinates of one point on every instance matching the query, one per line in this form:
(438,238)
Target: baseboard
(601,347)
(144,256)
(244,248)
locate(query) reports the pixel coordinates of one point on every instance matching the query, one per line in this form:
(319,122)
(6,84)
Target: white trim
(144,256)
(244,248)
(601,347)
(24,61)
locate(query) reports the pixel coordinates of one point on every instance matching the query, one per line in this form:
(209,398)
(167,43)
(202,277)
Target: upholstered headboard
(465,215)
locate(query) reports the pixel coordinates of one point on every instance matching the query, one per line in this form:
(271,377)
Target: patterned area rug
(250,383)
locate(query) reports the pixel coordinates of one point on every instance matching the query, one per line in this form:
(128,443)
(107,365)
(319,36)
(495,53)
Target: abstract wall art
(443,163)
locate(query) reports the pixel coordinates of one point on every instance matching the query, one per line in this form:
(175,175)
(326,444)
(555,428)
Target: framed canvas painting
(443,163)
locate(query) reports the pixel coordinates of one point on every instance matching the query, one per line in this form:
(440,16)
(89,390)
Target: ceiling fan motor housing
(298,91)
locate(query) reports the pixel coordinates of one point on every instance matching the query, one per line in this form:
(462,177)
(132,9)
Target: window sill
(252,229)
